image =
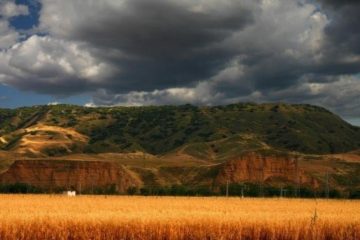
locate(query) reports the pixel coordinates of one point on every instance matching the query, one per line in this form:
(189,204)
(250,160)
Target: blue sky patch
(26,22)
(13,98)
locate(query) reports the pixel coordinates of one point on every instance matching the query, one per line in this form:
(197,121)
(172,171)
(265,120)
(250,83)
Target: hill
(161,129)
(195,146)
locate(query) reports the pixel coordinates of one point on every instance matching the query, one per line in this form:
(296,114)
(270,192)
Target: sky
(203,52)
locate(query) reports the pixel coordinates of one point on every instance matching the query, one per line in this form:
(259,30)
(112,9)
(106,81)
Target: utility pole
(262,173)
(297,191)
(227,188)
(68,178)
(283,192)
(327,190)
(52,182)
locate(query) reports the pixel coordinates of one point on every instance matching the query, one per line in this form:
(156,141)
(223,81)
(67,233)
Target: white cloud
(51,64)
(337,95)
(8,36)
(139,98)
(202,94)
(283,26)
(53,103)
(9,9)
(90,105)
(340,95)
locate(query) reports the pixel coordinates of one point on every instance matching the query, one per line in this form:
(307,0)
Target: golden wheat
(100,217)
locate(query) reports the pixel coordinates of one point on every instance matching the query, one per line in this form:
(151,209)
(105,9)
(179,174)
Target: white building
(70,193)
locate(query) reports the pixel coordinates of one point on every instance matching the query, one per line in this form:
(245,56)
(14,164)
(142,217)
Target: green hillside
(203,131)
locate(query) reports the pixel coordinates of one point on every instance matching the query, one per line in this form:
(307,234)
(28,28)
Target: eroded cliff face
(77,175)
(254,167)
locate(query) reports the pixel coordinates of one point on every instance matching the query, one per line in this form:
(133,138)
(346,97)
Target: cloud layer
(138,52)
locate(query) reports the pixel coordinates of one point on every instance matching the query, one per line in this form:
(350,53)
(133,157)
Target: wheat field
(121,217)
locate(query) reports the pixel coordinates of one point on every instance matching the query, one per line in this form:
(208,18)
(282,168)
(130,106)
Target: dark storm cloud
(339,3)
(344,31)
(164,43)
(161,29)
(275,72)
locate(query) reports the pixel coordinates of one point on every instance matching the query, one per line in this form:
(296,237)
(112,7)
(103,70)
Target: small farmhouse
(70,193)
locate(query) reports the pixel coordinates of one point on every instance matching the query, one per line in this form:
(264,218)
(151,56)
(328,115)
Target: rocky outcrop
(78,175)
(254,167)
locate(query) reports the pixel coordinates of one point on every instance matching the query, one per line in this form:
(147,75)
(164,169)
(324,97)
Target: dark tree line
(233,190)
